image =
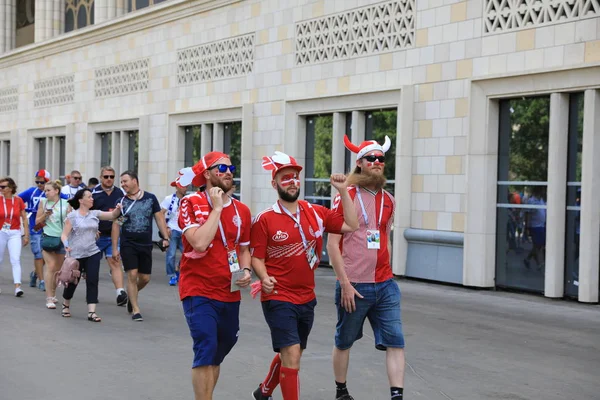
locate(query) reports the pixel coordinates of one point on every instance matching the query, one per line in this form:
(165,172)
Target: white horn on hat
(387,144)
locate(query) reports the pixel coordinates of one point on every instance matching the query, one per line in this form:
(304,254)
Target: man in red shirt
(215,264)
(361,260)
(287,240)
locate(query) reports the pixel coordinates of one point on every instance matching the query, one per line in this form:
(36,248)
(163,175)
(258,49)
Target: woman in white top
(79,239)
(52,212)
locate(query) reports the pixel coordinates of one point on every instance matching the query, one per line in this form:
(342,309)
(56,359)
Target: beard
(285,196)
(365,178)
(223,185)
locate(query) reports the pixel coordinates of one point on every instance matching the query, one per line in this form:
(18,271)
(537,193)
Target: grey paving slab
(462,344)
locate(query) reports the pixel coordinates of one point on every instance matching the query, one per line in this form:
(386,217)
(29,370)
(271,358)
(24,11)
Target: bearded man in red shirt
(215,264)
(287,240)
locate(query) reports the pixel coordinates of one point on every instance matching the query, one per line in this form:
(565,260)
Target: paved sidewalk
(462,344)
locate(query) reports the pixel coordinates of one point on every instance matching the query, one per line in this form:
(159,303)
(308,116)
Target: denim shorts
(381,305)
(290,323)
(214,327)
(104,243)
(36,245)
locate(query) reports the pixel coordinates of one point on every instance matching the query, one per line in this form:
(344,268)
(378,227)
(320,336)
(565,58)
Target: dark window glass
(232,145)
(192,144)
(349,163)
(69,20)
(41,153)
(378,125)
(106,148)
(81,16)
(521,201)
(319,133)
(7,158)
(141,4)
(61,157)
(133,160)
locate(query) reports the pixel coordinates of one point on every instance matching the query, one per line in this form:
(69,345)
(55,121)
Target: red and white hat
(177,184)
(195,175)
(279,161)
(367,146)
(42,173)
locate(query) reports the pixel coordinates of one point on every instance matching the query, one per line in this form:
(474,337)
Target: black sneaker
(122,298)
(129,307)
(137,317)
(345,397)
(258,395)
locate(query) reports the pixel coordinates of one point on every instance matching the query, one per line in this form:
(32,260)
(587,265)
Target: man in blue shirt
(31,197)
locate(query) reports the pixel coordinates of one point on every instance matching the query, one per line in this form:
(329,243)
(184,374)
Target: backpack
(69,272)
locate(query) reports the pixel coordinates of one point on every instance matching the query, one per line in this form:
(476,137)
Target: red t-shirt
(14,206)
(365,265)
(209,276)
(276,239)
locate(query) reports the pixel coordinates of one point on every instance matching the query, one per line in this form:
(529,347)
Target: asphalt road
(461,344)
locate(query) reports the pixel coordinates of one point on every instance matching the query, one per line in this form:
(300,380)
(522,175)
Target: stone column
(49,19)
(557,195)
(8,25)
(108,9)
(338,151)
(589,258)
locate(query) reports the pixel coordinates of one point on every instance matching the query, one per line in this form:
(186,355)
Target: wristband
(66,243)
(247,269)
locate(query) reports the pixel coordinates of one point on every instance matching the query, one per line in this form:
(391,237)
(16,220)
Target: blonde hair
(56,185)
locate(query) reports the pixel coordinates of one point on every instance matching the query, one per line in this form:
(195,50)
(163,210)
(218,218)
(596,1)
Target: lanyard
(12,209)
(171,205)
(123,211)
(239,226)
(364,212)
(297,221)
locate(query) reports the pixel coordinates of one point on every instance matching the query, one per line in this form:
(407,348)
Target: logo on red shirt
(280,236)
(237,221)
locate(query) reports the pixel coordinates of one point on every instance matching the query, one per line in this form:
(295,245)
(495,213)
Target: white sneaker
(18,292)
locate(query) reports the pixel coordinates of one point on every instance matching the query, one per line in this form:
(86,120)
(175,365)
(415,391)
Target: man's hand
(116,255)
(245,281)
(348,293)
(215,194)
(338,181)
(268,284)
(25,240)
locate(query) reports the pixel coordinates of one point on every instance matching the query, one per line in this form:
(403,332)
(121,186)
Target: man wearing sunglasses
(214,266)
(366,287)
(32,197)
(287,242)
(75,183)
(106,196)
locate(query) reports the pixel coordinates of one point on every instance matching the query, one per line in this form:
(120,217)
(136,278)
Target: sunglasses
(222,168)
(380,159)
(39,182)
(78,178)
(3,186)
(108,176)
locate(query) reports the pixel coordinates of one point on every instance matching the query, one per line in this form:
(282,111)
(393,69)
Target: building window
(133,5)
(105,149)
(5,157)
(317,170)
(120,150)
(378,125)
(521,202)
(574,167)
(232,145)
(51,152)
(78,14)
(193,141)
(133,150)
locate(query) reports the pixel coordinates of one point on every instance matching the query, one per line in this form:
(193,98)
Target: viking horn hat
(367,146)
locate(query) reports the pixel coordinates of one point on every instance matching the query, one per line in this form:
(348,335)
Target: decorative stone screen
(217,60)
(9,99)
(54,91)
(375,29)
(125,78)
(508,15)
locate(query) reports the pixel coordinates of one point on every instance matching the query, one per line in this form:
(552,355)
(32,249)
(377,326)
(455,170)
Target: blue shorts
(104,243)
(35,240)
(214,327)
(290,323)
(381,305)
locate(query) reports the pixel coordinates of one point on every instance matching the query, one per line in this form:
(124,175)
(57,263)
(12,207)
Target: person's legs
(53,263)
(14,250)
(35,242)
(132,289)
(170,255)
(91,283)
(104,243)
(290,368)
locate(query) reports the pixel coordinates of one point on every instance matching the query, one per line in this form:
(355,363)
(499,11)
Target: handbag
(51,243)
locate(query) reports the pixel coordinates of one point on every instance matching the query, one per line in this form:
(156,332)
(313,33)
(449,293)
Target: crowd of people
(223,247)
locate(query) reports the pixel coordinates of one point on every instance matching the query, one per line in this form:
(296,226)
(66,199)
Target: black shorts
(137,257)
(290,323)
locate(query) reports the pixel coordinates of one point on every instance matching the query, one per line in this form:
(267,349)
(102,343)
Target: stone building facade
(493,107)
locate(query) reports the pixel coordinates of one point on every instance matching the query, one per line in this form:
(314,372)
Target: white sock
(119,290)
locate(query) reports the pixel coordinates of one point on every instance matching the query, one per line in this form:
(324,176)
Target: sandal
(65,311)
(50,304)
(92,316)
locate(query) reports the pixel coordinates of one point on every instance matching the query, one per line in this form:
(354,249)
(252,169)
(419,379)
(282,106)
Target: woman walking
(51,214)
(12,217)
(79,239)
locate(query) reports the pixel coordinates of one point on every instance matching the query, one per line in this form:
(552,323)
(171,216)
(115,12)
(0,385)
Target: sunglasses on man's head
(380,159)
(108,177)
(222,168)
(39,182)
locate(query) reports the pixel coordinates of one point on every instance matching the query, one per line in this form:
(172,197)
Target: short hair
(106,168)
(11,183)
(74,202)
(93,181)
(75,172)
(132,174)
(56,185)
